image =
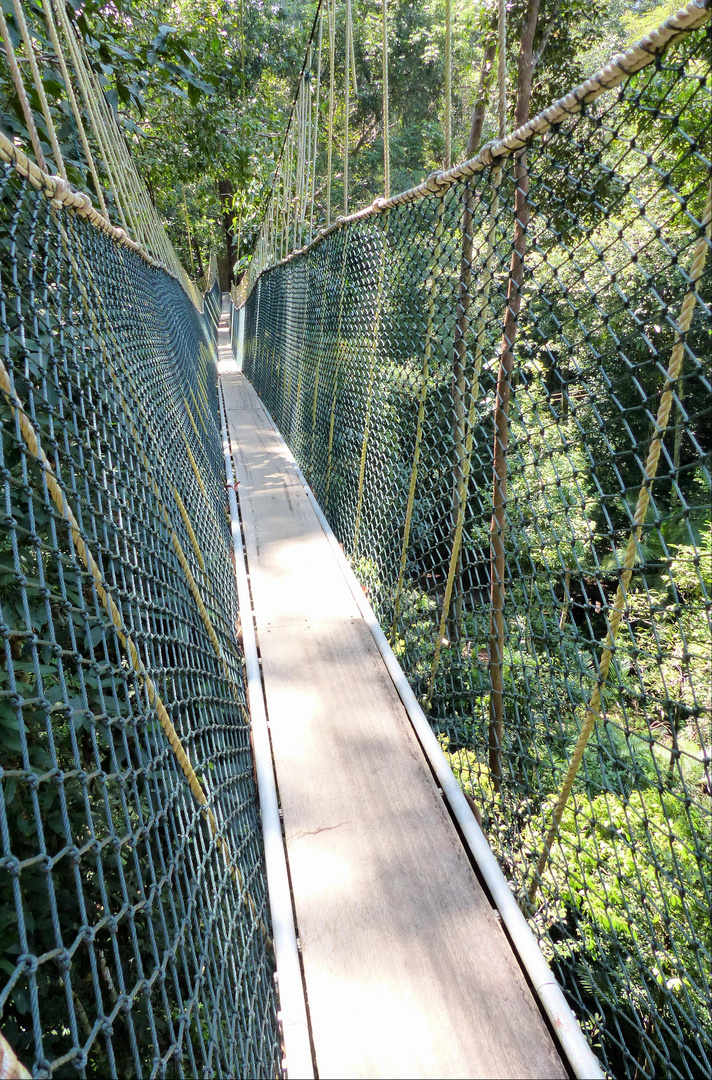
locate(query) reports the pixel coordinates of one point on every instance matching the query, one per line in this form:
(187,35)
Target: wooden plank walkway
(407,970)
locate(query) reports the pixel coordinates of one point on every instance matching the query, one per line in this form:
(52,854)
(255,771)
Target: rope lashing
(593,711)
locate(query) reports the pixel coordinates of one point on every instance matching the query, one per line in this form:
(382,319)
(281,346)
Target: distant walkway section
(407,970)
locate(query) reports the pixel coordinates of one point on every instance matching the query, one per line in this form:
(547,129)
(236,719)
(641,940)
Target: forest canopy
(203,90)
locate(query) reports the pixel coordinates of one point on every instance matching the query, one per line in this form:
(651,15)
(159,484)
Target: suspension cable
(39,87)
(347,81)
(502,67)
(448,85)
(386,120)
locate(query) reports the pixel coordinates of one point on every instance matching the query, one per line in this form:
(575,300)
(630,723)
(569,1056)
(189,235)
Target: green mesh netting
(134,935)
(378,353)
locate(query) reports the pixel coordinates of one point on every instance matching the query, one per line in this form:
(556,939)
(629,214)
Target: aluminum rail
(572,1041)
(295,1025)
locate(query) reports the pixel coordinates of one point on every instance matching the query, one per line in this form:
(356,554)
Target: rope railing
(132,892)
(133,904)
(498,385)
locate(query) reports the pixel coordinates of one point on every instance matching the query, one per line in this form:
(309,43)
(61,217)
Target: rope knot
(434,182)
(61,193)
(485,154)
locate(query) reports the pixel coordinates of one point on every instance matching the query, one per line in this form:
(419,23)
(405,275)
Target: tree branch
(478,112)
(546,35)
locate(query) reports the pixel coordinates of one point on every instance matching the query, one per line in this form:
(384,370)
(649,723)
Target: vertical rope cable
(128,220)
(330,140)
(316,126)
(447,162)
(21,92)
(347,81)
(422,397)
(467,421)
(502,67)
(501,422)
(374,334)
(39,87)
(332,416)
(386,119)
(52,29)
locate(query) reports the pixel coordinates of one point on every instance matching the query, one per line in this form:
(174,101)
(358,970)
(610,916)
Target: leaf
(118,51)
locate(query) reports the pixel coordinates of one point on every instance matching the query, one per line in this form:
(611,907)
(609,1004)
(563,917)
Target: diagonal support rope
(593,711)
(59,499)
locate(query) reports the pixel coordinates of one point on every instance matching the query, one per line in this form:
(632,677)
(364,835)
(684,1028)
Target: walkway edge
(567,1030)
(295,1025)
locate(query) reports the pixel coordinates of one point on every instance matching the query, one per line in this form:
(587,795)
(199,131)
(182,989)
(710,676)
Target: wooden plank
(407,970)
(293,572)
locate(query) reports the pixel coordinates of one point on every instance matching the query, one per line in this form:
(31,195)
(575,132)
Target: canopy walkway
(407,971)
(355,686)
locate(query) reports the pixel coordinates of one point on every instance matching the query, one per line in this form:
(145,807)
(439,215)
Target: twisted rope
(20,91)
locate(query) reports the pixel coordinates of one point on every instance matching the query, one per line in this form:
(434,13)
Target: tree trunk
(478,112)
(525,71)
(226,192)
(525,67)
(201,268)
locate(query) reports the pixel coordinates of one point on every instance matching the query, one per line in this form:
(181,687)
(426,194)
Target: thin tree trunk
(201,268)
(478,112)
(226,192)
(501,415)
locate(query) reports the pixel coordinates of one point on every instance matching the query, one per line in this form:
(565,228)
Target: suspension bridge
(355,702)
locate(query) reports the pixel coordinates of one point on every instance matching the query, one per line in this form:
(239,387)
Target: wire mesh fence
(500,394)
(133,912)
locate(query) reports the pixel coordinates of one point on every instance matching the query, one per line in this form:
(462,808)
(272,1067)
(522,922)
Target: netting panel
(378,353)
(134,936)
